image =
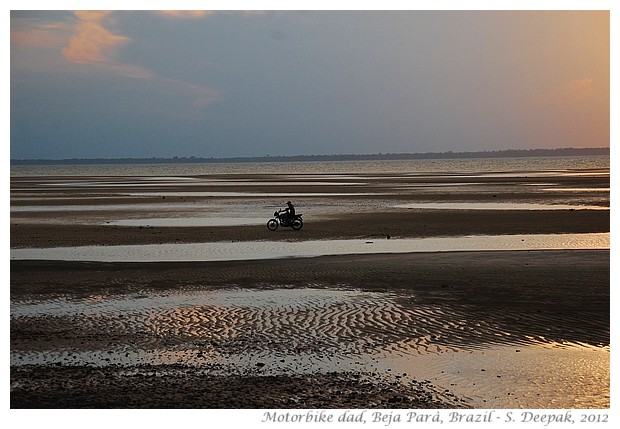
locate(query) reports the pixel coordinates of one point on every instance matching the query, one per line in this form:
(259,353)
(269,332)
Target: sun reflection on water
(308,330)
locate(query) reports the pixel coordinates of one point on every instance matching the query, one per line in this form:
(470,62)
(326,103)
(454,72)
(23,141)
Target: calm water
(249,250)
(461,166)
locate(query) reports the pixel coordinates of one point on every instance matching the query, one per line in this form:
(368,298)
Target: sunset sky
(98,84)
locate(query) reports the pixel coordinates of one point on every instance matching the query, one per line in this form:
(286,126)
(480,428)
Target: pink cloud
(186,13)
(92,42)
(48,35)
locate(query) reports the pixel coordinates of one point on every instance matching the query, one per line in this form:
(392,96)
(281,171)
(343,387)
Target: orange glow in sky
(232,83)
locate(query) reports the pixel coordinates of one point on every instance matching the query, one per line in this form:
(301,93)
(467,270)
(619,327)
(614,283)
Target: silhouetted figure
(289,212)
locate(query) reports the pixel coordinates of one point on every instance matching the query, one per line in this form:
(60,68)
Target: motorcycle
(279,219)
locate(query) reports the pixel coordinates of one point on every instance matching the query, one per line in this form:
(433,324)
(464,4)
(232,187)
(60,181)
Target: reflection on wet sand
(302,331)
(497,206)
(249,250)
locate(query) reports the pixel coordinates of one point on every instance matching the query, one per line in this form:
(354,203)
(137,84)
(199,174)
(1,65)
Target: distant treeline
(511,153)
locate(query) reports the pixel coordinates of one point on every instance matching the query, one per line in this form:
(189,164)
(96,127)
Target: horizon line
(500,153)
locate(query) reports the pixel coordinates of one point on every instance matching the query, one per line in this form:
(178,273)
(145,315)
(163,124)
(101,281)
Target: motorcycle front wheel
(297,224)
(272,224)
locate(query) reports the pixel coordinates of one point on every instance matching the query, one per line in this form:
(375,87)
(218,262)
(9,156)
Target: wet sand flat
(413,330)
(293,319)
(367,207)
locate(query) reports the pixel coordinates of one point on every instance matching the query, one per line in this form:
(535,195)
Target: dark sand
(415,223)
(513,297)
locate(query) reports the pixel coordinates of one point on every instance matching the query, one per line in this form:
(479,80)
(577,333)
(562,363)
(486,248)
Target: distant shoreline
(510,153)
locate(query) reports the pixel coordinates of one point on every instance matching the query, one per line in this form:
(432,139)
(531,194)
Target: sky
(233,83)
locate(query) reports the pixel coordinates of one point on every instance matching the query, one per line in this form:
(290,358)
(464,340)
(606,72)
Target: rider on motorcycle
(289,212)
(287,218)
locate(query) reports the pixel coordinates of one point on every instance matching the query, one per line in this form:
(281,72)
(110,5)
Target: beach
(446,329)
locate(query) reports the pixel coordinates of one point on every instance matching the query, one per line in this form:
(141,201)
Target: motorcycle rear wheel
(297,224)
(272,224)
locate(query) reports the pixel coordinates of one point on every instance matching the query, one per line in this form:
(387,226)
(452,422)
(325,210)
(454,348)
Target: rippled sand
(474,349)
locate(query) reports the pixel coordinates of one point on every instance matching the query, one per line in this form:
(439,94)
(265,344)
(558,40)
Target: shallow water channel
(248,250)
